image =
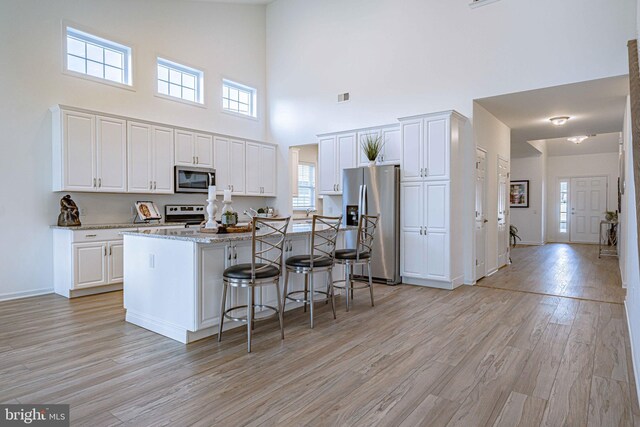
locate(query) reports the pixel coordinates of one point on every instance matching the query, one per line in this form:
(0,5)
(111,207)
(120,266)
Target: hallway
(560,269)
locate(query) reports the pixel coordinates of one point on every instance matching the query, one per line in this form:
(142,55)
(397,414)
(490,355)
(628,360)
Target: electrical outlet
(152,261)
(133,210)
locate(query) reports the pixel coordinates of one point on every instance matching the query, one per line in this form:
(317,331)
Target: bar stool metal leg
(347,274)
(306,291)
(370,283)
(312,290)
(222,308)
(280,311)
(330,291)
(249,317)
(284,295)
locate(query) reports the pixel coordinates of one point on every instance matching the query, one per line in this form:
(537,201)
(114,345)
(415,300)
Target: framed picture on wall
(519,194)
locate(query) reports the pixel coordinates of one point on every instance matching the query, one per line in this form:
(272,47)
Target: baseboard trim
(492,272)
(25,294)
(530,243)
(635,368)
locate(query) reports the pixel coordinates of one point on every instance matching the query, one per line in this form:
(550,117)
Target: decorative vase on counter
(372,163)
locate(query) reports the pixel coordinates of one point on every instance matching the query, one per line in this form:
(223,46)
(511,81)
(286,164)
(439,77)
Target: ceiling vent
(478,3)
(343,97)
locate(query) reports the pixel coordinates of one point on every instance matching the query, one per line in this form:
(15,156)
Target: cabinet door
(437,256)
(363,160)
(116,266)
(140,179)
(346,156)
(237,167)
(253,162)
(299,246)
(89,264)
(412,250)
(212,265)
(436,149)
(269,167)
(411,135)
(185,155)
(327,165)
(162,140)
(411,197)
(436,206)
(78,133)
(221,155)
(392,149)
(203,150)
(241,254)
(111,159)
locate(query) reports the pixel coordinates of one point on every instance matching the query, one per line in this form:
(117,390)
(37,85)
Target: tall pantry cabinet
(431,224)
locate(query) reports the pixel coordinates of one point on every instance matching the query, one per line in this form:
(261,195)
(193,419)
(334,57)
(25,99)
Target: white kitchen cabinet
(431,219)
(335,154)
(90,264)
(115,270)
(327,165)
(426,145)
(363,160)
(150,158)
(89,152)
(391,149)
(230,165)
(193,149)
(260,169)
(269,165)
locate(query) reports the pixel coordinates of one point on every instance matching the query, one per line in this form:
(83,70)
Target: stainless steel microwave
(194,180)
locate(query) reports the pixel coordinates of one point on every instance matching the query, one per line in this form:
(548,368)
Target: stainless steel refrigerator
(371,191)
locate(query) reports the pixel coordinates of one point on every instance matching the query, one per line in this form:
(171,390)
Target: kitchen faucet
(309,210)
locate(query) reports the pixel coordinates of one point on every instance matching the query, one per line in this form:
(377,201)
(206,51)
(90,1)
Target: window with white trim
(180,81)
(238,98)
(97,57)
(306,198)
(564,205)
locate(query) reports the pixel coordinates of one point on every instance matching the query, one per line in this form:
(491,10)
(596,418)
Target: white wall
(223,40)
(531,221)
(404,57)
(605,164)
(495,137)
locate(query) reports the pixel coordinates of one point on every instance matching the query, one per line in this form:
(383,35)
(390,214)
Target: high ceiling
(595,107)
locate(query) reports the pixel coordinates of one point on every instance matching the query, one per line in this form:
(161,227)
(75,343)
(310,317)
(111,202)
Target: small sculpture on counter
(69,214)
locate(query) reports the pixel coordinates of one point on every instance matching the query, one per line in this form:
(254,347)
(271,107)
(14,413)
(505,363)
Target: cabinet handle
(99,182)
(94,183)
(155,185)
(105,251)
(229,256)
(90,235)
(235,252)
(110,250)
(197,160)
(150,185)
(421,230)
(426,172)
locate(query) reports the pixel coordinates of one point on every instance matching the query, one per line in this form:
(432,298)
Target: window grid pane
(91,55)
(238,99)
(564,204)
(306,198)
(179,81)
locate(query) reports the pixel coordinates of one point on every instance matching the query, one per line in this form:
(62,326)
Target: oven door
(194,180)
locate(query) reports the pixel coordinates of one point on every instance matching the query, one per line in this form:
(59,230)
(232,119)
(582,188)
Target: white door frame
(556,203)
(477,276)
(507,208)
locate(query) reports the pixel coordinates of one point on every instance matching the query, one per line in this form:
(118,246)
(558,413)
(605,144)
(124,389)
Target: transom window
(306,187)
(564,205)
(97,57)
(238,98)
(180,81)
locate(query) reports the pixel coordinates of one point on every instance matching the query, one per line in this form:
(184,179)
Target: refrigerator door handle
(364,200)
(360,201)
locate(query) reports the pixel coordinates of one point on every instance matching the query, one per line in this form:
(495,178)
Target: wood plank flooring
(565,270)
(476,356)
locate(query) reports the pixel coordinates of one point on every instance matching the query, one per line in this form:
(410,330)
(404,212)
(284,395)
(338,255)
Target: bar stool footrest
(308,301)
(243,319)
(364,286)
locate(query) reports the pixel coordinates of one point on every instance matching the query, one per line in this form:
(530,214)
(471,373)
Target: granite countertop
(122,225)
(194,235)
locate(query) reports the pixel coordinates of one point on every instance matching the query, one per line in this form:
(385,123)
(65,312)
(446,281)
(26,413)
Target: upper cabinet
(229,163)
(89,152)
(150,158)
(426,147)
(336,153)
(391,149)
(193,148)
(260,169)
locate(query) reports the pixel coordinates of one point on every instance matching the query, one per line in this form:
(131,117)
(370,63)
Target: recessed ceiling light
(560,120)
(577,139)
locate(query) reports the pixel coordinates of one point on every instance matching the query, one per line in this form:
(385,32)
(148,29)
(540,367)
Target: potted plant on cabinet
(372,146)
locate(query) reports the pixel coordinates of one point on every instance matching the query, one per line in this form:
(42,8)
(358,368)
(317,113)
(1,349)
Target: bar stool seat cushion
(243,271)
(351,254)
(305,261)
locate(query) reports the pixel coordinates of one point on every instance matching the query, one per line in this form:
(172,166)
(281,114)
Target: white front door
(588,203)
(503,212)
(480,215)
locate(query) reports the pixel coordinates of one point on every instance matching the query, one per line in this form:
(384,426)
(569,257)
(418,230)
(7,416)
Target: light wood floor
(473,356)
(563,270)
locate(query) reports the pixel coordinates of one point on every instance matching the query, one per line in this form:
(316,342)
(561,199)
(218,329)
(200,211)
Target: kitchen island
(173,278)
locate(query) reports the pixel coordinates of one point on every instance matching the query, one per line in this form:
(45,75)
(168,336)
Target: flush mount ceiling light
(560,120)
(577,139)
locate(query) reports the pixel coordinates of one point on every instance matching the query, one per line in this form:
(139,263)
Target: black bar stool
(264,269)
(360,255)
(323,247)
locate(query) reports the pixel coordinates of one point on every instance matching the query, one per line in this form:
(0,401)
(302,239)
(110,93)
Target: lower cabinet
(89,264)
